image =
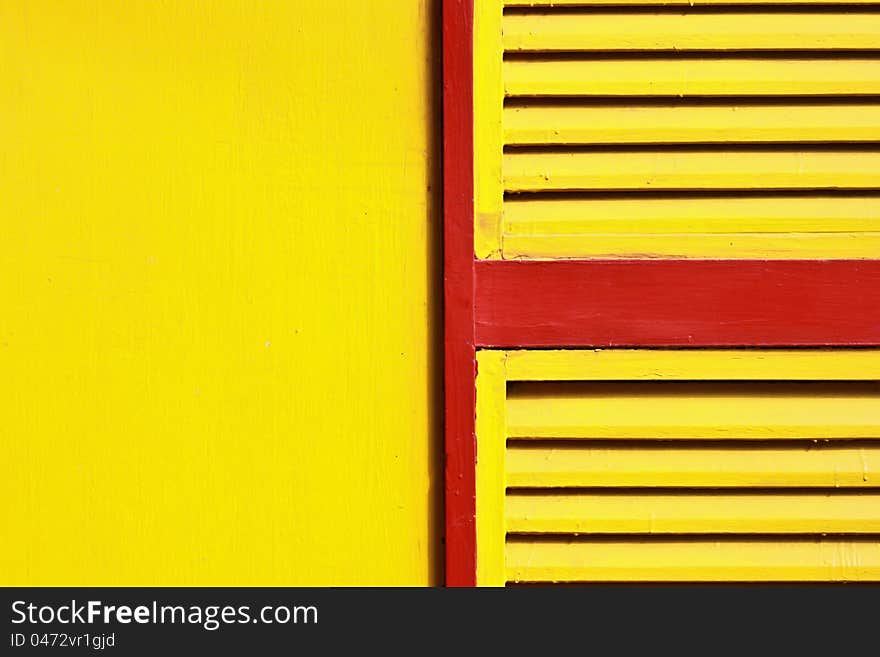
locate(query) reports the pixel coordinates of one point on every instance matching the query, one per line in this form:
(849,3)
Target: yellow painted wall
(217,241)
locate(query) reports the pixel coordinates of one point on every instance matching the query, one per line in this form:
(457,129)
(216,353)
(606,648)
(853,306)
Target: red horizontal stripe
(582,303)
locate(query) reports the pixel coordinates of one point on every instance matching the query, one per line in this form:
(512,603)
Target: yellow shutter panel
(678,465)
(673,129)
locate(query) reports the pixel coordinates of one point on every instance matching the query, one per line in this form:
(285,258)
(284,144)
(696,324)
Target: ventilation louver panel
(629,465)
(678,129)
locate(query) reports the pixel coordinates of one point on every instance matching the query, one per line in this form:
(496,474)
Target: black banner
(134,621)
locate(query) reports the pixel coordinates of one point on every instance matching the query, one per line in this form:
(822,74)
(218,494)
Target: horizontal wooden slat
(692,169)
(708,560)
(681,466)
(827,227)
(715,214)
(683,123)
(692,513)
(737,76)
(590,31)
(707,410)
(776,246)
(693,364)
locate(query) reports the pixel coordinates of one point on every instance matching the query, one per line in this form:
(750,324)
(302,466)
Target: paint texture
(678,303)
(216,307)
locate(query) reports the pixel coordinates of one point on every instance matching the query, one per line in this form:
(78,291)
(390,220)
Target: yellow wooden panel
(746,76)
(683,123)
(685,560)
(694,410)
(693,513)
(689,364)
(491,438)
(533,217)
(678,465)
(699,169)
(591,31)
(204,207)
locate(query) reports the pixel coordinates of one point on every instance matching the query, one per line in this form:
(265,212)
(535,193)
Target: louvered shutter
(669,280)
(656,465)
(660,129)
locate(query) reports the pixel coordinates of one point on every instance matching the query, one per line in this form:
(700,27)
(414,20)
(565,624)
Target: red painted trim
(678,303)
(460,362)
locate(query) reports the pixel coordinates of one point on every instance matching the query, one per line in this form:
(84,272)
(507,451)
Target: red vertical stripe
(458,198)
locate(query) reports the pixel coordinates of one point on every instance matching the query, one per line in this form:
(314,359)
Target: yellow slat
(701,169)
(692,513)
(682,466)
(690,364)
(592,31)
(746,76)
(771,246)
(782,214)
(691,124)
(694,410)
(706,560)
(758,227)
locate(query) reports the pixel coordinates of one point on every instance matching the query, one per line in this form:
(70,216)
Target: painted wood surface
(700,410)
(692,364)
(832,464)
(460,356)
(675,178)
(693,561)
(683,122)
(743,75)
(640,31)
(219,250)
(678,225)
(678,303)
(757,112)
(491,428)
(690,512)
(726,500)
(488,89)
(657,169)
